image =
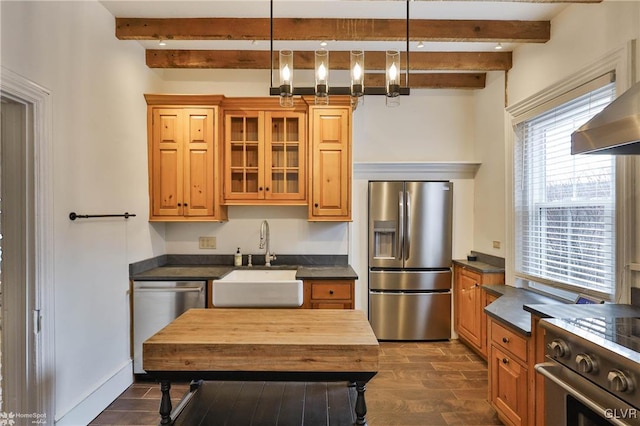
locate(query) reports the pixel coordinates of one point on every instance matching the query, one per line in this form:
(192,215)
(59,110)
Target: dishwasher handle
(169,289)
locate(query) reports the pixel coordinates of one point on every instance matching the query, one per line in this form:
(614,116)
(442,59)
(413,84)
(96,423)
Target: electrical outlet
(207,242)
(496,244)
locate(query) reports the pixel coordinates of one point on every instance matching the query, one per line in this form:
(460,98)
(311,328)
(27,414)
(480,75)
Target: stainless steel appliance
(592,373)
(156,304)
(410,259)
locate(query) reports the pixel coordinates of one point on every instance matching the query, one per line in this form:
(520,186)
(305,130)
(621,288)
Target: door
(330,164)
(410,280)
(386,210)
(428,224)
(410,316)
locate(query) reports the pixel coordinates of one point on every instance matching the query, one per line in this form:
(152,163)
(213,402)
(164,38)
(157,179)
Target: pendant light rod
(271,38)
(406,82)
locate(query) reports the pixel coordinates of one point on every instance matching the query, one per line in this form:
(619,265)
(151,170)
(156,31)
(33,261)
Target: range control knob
(586,364)
(559,349)
(619,381)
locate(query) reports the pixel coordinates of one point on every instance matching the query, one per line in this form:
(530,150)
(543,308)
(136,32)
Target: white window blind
(565,204)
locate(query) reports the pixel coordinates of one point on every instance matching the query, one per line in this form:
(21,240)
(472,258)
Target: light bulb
(393,72)
(322,72)
(286,74)
(357,72)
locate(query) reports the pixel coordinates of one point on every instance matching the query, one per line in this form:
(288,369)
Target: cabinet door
(508,386)
(331,164)
(167,162)
(199,162)
(470,306)
(244,156)
(285,156)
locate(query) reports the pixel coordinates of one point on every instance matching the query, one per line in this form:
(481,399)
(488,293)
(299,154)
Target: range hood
(615,130)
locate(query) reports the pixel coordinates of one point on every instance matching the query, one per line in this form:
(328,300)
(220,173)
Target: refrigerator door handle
(400,237)
(407,238)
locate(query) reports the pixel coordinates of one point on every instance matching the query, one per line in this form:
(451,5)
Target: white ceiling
(394,9)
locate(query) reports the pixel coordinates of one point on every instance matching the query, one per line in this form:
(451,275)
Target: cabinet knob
(315,205)
(267,188)
(179,204)
(186,205)
(505,360)
(505,340)
(260,189)
(330,291)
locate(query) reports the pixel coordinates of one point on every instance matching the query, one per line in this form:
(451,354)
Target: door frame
(38,103)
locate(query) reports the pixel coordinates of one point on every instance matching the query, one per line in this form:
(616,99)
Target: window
(565,204)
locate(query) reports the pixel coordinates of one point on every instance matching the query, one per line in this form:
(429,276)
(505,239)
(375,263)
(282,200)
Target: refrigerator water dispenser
(384,239)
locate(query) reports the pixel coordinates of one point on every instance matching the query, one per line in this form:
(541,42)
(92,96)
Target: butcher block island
(263,345)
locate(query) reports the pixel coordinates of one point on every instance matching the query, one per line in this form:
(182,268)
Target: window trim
(618,61)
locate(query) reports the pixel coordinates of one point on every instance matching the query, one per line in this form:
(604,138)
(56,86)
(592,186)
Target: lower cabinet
(508,374)
(329,294)
(470,321)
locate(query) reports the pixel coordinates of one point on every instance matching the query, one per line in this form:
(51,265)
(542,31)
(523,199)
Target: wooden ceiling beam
(259,59)
(344,29)
(434,80)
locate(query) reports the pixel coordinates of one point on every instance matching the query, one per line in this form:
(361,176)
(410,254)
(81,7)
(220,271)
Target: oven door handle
(544,369)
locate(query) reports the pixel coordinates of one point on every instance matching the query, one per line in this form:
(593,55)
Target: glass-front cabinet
(265,157)
(244,153)
(285,156)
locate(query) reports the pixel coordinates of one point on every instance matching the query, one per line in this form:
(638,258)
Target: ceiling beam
(259,59)
(434,80)
(344,29)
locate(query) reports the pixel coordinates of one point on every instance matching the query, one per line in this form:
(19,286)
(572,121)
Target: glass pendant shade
(357,73)
(393,78)
(322,76)
(286,78)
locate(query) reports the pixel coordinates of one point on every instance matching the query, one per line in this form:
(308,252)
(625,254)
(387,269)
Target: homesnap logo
(11,418)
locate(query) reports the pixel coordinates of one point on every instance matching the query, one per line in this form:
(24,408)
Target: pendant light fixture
(356,89)
(392,78)
(356,67)
(286,78)
(322,77)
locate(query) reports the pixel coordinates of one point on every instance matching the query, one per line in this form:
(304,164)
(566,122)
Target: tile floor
(418,383)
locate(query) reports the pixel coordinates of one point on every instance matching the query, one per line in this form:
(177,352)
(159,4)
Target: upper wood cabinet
(265,156)
(330,163)
(183,159)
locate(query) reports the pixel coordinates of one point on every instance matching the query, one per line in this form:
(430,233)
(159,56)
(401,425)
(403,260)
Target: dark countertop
(514,307)
(509,307)
(478,266)
(609,310)
(212,272)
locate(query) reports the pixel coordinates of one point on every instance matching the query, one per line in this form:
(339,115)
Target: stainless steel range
(593,371)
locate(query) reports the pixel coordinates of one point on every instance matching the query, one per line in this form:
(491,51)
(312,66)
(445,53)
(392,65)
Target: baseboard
(99,399)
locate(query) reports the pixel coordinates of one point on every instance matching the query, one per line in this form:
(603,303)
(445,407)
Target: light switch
(496,244)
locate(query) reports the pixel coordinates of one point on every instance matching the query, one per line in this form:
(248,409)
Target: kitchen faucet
(264,243)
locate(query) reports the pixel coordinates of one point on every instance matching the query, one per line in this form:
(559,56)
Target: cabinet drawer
(330,291)
(509,340)
(472,275)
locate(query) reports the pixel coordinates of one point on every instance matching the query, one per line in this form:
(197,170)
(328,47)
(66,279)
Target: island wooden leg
(165,403)
(361,405)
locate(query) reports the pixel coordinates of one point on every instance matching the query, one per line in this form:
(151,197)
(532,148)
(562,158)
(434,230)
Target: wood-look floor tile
(418,383)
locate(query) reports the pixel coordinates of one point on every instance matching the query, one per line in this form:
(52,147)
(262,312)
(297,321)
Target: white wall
(580,35)
(489,207)
(99,144)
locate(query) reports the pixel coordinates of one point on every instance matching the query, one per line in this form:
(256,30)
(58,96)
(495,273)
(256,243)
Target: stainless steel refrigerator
(410,227)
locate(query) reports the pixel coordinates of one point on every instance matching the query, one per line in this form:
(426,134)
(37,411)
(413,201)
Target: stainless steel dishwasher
(156,304)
